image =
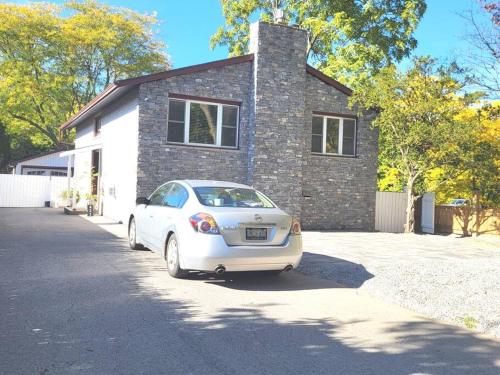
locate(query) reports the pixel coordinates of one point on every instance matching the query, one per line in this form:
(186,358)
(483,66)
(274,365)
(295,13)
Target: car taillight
(204,223)
(295,228)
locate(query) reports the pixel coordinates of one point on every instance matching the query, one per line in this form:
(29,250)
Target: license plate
(256,233)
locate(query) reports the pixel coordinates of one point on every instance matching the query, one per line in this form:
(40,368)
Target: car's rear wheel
(172,258)
(132,236)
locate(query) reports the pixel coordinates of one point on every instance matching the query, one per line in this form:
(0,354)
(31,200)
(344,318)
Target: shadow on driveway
(75,299)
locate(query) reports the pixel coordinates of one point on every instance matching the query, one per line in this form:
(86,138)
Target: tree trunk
(410,207)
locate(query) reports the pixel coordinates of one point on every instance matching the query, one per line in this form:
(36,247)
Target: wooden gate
(390,211)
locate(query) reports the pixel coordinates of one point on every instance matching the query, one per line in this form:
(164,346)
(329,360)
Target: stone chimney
(278,112)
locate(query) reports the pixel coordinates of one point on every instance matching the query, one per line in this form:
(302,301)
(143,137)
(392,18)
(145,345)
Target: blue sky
(186,27)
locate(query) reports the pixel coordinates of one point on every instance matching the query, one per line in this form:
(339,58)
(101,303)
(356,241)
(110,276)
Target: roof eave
(332,82)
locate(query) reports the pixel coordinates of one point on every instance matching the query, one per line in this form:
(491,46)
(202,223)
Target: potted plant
(91,203)
(73,198)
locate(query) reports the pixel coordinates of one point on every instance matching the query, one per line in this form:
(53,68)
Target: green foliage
(349,40)
(54,59)
(5,153)
(71,194)
(479,163)
(417,124)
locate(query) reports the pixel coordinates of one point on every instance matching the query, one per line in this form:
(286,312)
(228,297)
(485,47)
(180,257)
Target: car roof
(199,183)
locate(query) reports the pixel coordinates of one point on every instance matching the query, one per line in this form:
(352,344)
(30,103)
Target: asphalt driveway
(75,299)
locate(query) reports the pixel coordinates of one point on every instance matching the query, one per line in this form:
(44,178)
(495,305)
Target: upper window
(200,123)
(333,135)
(97,126)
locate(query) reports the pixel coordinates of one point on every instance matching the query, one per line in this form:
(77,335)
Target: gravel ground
(453,279)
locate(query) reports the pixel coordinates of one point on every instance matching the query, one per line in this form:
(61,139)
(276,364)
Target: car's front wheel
(172,258)
(132,235)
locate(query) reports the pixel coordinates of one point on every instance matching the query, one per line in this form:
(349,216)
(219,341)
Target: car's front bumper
(205,252)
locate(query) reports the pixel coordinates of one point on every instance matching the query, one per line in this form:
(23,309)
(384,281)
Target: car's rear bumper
(205,252)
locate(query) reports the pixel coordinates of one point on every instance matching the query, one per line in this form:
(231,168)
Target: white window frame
(341,135)
(218,137)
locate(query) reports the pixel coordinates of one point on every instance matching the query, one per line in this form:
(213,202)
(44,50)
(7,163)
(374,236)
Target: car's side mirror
(142,200)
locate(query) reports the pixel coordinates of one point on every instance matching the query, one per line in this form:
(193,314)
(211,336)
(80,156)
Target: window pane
(348,137)
(317,145)
(332,136)
(203,123)
(229,116)
(176,110)
(176,197)
(228,137)
(317,125)
(175,131)
(231,197)
(158,196)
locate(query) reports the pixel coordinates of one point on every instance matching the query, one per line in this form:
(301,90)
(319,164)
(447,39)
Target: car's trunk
(252,226)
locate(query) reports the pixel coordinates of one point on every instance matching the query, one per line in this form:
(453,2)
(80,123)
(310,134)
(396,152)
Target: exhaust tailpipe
(288,268)
(219,270)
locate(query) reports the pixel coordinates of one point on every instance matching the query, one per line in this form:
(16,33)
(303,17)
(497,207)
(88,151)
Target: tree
(483,57)
(5,154)
(478,169)
(417,124)
(54,59)
(348,40)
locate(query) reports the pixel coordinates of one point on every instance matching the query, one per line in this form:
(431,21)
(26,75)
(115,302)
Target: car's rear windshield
(231,197)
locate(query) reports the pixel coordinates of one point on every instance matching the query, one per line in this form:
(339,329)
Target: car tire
(132,236)
(172,258)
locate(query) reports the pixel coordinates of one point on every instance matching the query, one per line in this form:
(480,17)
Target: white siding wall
(118,141)
(119,160)
(50,160)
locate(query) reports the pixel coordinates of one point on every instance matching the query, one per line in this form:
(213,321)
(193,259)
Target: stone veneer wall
(159,161)
(341,189)
(277,100)
(275,163)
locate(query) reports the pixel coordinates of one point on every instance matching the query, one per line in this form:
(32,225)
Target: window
(333,135)
(232,197)
(176,197)
(159,195)
(36,173)
(202,123)
(169,195)
(57,173)
(97,126)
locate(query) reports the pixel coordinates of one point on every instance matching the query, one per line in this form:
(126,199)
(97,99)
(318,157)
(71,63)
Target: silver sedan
(215,226)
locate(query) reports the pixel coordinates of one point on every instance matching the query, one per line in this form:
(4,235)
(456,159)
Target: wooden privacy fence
(462,220)
(31,191)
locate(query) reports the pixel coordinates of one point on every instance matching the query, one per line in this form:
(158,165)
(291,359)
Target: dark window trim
(205,99)
(335,155)
(193,145)
(326,115)
(335,114)
(221,102)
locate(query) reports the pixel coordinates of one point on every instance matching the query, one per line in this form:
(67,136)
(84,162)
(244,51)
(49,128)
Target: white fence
(31,191)
(390,211)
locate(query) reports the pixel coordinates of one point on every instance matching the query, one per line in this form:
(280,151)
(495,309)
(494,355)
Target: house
(46,164)
(266,119)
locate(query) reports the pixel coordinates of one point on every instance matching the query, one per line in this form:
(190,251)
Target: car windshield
(231,197)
